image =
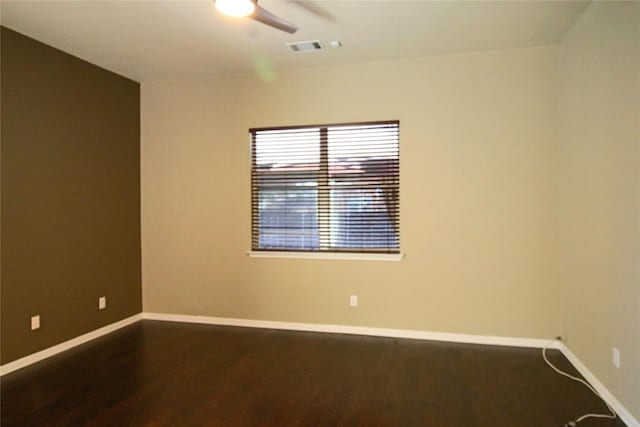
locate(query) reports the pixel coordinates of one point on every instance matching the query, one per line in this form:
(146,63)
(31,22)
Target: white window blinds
(329,188)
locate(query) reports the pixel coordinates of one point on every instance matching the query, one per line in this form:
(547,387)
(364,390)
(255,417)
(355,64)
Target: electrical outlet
(35,322)
(102,303)
(353,301)
(616,357)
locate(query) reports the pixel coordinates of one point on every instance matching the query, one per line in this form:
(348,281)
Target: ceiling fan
(251,9)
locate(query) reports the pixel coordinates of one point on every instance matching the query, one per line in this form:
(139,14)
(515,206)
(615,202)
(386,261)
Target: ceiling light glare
(236,8)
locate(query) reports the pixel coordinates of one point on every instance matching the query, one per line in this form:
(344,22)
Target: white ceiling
(159,39)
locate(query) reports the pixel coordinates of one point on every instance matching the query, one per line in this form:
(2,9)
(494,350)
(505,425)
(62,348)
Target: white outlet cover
(102,303)
(353,301)
(616,357)
(35,322)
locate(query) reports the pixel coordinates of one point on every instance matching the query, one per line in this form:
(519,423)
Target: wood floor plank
(171,374)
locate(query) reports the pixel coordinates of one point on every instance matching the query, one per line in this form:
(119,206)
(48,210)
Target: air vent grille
(310,46)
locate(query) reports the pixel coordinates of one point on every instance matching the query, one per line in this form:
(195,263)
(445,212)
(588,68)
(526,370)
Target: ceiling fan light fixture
(237,8)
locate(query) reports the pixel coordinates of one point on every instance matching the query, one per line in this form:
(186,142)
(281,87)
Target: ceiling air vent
(305,46)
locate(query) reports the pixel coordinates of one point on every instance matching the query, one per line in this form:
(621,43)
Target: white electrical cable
(586,384)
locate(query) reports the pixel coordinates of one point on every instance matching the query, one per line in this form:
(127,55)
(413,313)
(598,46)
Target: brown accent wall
(70,196)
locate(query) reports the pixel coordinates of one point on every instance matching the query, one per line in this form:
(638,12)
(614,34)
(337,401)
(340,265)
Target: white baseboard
(622,412)
(59,348)
(356,330)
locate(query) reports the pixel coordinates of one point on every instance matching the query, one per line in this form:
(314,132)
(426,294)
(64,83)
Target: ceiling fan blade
(268,18)
(313,8)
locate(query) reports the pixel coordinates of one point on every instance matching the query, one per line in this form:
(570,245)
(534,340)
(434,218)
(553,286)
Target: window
(329,188)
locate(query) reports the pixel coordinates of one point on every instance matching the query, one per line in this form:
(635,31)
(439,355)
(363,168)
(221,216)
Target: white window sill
(327,255)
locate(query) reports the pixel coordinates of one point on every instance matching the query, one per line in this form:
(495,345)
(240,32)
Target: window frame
(337,254)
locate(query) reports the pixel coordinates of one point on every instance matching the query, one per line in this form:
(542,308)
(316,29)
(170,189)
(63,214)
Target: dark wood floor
(169,374)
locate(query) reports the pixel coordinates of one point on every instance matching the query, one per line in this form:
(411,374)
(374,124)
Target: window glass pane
(360,219)
(286,176)
(288,219)
(363,174)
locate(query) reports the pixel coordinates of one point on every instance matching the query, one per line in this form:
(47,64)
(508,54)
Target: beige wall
(477,196)
(599,226)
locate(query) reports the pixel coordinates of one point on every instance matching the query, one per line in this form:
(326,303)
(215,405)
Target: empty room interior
(312,212)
